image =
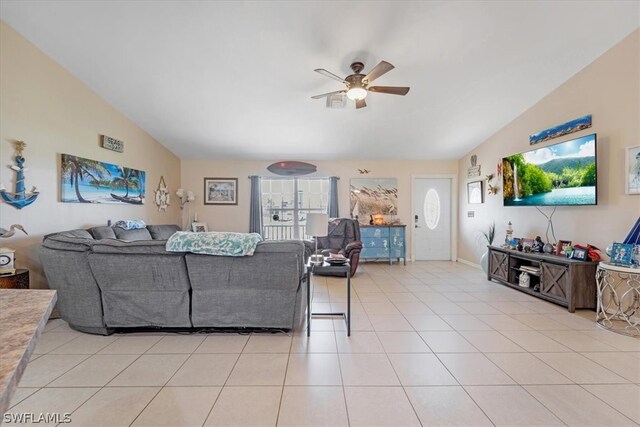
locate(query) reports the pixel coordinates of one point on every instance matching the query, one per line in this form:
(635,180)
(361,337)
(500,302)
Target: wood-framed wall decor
(561,247)
(632,170)
(475,192)
(112,144)
(221,191)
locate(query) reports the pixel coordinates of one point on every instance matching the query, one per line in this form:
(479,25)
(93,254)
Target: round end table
(618,299)
(17,280)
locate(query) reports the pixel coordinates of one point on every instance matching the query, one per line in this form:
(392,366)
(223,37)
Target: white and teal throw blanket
(214,243)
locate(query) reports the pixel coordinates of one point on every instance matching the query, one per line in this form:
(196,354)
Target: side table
(618,299)
(17,280)
(311,269)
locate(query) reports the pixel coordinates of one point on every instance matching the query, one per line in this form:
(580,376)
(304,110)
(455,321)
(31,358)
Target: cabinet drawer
(397,232)
(374,253)
(368,243)
(374,232)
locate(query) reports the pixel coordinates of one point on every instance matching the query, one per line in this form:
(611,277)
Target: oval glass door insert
(431,209)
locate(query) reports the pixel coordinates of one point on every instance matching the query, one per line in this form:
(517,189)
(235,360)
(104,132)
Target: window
(286,202)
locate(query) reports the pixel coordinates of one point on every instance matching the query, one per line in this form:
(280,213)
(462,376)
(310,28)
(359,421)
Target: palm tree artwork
(92,181)
(129,179)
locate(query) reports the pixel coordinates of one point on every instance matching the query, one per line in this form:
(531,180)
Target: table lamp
(317,226)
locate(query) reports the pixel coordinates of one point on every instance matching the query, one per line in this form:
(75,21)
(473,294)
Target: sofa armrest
(353,247)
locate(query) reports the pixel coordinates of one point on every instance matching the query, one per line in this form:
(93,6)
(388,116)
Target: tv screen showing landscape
(562,174)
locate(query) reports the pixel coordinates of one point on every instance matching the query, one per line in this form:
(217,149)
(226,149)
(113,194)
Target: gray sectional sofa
(110,278)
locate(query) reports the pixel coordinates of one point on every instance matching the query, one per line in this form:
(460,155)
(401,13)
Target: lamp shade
(317,224)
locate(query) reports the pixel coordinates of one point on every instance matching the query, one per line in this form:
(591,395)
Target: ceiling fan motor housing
(357,67)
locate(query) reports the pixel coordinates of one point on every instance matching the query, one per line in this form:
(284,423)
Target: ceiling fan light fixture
(355,93)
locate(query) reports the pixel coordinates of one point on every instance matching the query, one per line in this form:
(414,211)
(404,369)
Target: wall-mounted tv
(563,174)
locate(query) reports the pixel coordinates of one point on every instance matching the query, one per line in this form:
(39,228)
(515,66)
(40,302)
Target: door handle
(415,221)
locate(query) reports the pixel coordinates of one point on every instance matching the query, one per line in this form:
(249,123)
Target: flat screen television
(563,174)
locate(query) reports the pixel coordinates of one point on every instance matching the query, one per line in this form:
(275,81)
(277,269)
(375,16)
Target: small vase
(484,261)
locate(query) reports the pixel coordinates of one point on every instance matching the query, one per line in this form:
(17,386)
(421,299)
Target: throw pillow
(130,224)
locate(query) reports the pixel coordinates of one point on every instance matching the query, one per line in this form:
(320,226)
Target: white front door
(432,218)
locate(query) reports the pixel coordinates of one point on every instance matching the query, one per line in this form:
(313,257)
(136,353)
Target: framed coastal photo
(632,170)
(199,227)
(621,254)
(221,191)
(579,254)
(475,192)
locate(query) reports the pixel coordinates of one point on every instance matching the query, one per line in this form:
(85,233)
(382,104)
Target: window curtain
(255,208)
(333,197)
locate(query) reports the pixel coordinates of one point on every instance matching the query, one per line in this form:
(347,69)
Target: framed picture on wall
(632,170)
(221,191)
(475,192)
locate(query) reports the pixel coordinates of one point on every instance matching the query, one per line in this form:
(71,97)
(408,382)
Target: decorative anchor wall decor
(20,198)
(162,196)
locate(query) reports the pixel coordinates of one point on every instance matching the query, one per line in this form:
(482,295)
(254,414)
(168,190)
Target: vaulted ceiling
(234,80)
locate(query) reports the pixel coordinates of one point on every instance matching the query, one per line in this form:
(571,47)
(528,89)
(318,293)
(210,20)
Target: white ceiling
(233,80)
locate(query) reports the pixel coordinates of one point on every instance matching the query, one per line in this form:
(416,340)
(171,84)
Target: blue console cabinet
(383,242)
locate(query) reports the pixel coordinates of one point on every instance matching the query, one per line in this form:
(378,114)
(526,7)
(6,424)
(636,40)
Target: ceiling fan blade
(330,75)
(360,103)
(380,69)
(393,90)
(328,94)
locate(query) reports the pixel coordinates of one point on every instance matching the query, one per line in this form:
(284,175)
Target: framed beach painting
(373,196)
(632,170)
(221,191)
(92,181)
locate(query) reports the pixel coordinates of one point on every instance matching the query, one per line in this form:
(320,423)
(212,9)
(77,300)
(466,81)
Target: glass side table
(618,299)
(344,268)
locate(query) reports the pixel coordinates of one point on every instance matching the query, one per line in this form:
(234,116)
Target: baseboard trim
(469,263)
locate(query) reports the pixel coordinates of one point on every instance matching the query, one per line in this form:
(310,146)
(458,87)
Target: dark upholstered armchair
(343,238)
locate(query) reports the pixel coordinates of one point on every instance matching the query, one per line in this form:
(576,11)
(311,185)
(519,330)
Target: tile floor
(433,343)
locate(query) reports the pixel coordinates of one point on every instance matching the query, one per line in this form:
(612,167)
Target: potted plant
(488,235)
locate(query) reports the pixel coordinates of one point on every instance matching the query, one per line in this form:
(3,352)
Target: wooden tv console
(568,282)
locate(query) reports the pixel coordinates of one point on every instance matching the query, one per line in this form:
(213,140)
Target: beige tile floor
(433,343)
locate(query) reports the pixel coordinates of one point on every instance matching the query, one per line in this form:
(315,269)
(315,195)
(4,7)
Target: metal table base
(311,269)
(618,299)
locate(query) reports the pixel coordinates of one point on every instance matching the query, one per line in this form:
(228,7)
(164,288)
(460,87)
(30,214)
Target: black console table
(567,282)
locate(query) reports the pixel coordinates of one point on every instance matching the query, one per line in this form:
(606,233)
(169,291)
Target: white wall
(609,89)
(236,218)
(54,113)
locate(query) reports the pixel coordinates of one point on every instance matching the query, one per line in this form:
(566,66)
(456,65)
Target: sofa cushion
(141,247)
(102,232)
(132,235)
(80,234)
(162,232)
(63,241)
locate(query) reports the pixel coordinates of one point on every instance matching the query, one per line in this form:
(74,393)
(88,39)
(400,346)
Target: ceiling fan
(358,83)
